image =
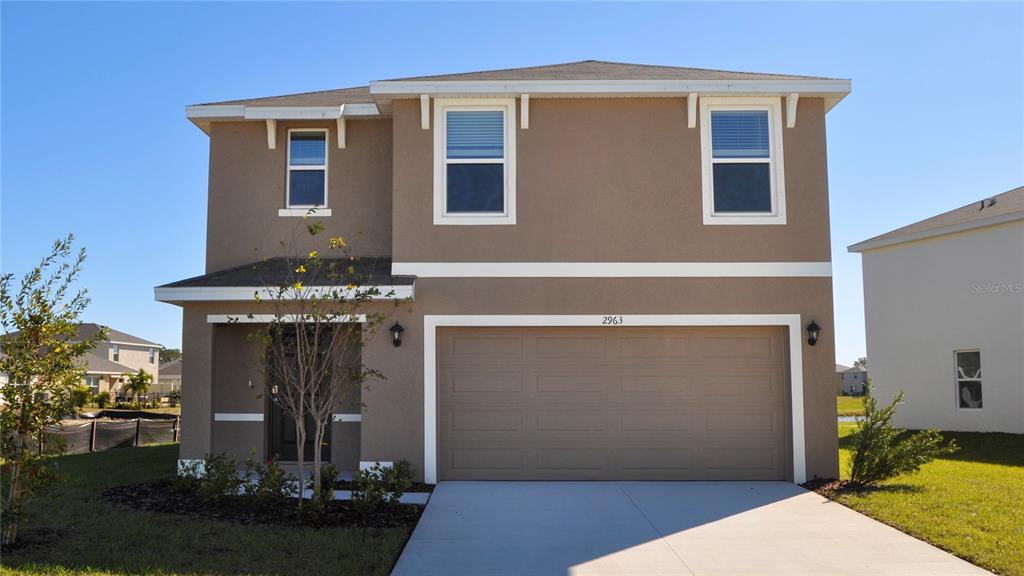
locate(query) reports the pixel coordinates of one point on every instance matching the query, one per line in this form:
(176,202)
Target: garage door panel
(656,404)
(485,420)
(483,382)
(570,347)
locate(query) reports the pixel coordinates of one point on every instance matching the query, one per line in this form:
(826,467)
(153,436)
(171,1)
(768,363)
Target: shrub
(325,495)
(174,397)
(881,451)
(269,484)
(397,479)
(369,490)
(220,478)
(80,396)
(102,399)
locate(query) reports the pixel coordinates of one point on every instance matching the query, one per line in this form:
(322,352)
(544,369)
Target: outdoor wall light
(813,330)
(396,334)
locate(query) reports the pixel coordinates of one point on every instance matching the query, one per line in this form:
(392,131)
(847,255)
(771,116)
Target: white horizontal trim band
(612,269)
(247,293)
(348,417)
(238,417)
(311,212)
(280,112)
(680,87)
(266,318)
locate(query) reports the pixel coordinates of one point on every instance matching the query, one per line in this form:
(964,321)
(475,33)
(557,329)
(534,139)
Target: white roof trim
(883,242)
(834,90)
(247,294)
(202,114)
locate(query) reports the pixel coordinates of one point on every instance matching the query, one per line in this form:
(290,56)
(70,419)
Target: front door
(284,442)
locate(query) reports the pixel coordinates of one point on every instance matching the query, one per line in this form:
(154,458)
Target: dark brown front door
(283,440)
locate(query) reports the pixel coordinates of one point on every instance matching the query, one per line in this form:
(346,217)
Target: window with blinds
(475,158)
(742,152)
(474,152)
(741,161)
(307,169)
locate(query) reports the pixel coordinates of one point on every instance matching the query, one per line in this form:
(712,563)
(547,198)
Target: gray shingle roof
(603,70)
(1009,204)
(87,329)
(97,364)
(582,70)
(273,272)
(172,368)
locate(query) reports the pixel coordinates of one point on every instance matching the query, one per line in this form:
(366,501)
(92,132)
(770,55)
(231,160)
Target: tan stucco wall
(611,180)
(231,380)
(247,188)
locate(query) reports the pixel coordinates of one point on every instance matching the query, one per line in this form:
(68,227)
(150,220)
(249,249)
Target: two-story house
(112,360)
(617,271)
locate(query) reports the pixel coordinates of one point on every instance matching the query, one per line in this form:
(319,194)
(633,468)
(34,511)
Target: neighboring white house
(944,314)
(851,381)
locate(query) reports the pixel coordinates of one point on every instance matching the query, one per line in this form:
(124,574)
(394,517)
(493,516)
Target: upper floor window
(152,355)
(307,169)
(968,378)
(474,161)
(742,167)
(115,352)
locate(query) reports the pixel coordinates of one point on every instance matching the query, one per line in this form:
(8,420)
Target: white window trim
(152,355)
(302,209)
(442,105)
(776,161)
(115,353)
(793,322)
(957,379)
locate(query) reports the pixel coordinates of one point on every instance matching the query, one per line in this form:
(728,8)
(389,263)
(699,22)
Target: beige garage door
(613,403)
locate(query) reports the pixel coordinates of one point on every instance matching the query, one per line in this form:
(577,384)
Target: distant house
(944,317)
(109,364)
(851,381)
(170,377)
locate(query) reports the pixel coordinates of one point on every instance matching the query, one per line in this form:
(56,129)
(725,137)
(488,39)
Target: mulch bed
(828,486)
(172,497)
(416,486)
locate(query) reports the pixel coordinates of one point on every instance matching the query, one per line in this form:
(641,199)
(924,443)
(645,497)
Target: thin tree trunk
(300,452)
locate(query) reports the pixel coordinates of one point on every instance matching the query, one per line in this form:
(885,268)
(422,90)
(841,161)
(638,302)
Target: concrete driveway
(662,528)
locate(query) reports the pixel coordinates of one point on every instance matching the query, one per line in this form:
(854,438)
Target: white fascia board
(231,111)
(883,242)
(612,269)
(248,294)
(268,318)
(583,87)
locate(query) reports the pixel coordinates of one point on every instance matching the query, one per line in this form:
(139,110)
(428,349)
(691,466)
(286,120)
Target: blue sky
(95,142)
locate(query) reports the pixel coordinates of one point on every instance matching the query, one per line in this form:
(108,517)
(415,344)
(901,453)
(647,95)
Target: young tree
(138,384)
(169,354)
(323,312)
(881,451)
(40,353)
(861,363)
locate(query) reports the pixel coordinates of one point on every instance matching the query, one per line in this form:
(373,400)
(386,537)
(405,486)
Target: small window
(474,170)
(152,355)
(968,378)
(742,161)
(115,352)
(307,169)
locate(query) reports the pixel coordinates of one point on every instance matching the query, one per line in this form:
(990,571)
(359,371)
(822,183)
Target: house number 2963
(611,320)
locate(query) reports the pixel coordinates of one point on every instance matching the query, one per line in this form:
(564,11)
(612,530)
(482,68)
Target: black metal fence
(78,437)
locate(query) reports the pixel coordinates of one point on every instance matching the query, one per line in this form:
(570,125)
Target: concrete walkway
(656,528)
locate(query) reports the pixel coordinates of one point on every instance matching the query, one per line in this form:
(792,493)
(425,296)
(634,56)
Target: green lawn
(850,405)
(970,503)
(76,533)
